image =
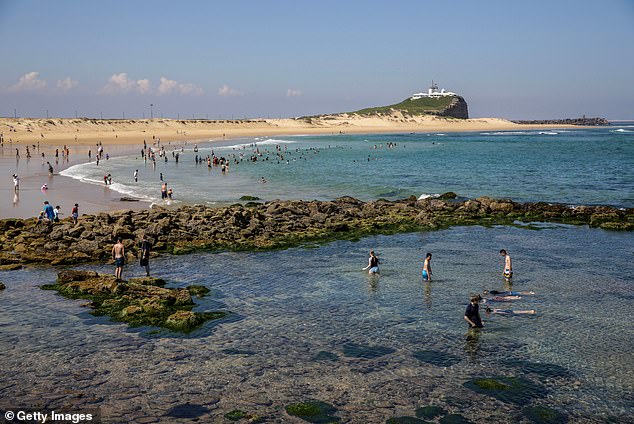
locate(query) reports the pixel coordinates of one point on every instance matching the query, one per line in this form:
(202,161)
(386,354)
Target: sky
(286,58)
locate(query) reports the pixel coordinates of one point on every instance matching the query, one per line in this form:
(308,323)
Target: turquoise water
(578,166)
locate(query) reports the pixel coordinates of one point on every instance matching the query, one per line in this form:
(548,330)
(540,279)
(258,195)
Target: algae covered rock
(148,281)
(133,302)
(430,411)
(454,419)
(313,412)
(543,415)
(199,291)
(507,389)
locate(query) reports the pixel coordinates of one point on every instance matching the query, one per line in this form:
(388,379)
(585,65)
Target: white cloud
(120,83)
(28,82)
(66,84)
(168,86)
(293,93)
(143,86)
(227,91)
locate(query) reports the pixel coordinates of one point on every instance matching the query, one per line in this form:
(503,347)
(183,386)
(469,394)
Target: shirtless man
(508,265)
(427,268)
(118,254)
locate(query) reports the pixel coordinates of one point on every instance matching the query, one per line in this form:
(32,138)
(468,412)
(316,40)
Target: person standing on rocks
(75,213)
(373,264)
(508,265)
(118,254)
(145,254)
(48,211)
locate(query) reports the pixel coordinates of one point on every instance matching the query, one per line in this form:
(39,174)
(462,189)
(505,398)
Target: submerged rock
(354,350)
(544,415)
(2,286)
(430,411)
(507,389)
(437,358)
(313,411)
(133,302)
(405,420)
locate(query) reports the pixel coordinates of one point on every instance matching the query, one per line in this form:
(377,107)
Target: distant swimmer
(472,314)
(508,265)
(50,168)
(44,187)
(373,264)
(510,311)
(136,175)
(263,180)
(427,268)
(16,182)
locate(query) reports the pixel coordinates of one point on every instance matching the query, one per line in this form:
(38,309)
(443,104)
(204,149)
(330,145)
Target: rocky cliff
(450,106)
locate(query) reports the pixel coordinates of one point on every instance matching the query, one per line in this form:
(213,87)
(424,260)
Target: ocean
(578,166)
(308,324)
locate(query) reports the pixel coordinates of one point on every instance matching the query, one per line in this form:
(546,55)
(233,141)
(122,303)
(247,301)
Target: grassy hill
(421,106)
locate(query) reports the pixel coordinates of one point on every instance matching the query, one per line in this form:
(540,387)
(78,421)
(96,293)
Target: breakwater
(568,121)
(272,225)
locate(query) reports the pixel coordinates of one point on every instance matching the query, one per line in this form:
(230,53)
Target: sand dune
(82,131)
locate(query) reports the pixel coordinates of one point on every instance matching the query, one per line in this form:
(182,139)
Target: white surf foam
(428,196)
(622,130)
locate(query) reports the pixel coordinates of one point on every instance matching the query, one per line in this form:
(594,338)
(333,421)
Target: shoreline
(122,137)
(55,132)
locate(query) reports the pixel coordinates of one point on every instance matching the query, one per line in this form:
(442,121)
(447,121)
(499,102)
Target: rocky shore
(272,225)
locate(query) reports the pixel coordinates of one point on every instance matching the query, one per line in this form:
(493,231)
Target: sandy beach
(125,136)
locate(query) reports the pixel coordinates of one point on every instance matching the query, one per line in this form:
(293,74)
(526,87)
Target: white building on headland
(433,93)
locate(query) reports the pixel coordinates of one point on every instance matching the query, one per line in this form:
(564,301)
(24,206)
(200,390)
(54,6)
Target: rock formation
(272,225)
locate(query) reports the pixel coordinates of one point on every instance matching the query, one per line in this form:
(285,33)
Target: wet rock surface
(138,301)
(273,225)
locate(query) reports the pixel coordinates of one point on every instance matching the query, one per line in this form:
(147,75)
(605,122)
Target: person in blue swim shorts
(427,268)
(373,264)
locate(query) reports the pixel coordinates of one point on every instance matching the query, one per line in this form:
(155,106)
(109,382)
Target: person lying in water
(510,311)
(508,293)
(500,299)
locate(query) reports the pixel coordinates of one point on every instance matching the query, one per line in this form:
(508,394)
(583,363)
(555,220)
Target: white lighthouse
(433,93)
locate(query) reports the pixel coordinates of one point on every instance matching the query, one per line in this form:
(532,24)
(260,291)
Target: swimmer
(44,187)
(510,311)
(509,293)
(427,268)
(373,264)
(508,265)
(503,298)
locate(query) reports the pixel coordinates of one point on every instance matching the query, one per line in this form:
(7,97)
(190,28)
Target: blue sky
(538,59)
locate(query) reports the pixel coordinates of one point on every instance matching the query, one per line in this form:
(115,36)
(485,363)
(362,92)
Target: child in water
(373,264)
(472,314)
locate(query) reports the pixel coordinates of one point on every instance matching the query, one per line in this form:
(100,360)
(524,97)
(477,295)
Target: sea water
(307,323)
(578,166)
